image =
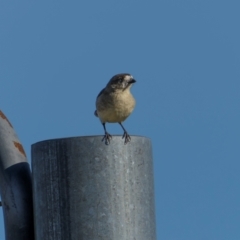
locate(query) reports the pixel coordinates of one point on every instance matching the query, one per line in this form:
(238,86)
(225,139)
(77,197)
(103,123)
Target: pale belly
(117,111)
(112,116)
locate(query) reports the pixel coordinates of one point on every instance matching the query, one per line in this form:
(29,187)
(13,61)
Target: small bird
(115,103)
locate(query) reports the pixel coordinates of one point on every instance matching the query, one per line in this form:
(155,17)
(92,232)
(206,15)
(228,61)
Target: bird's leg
(107,136)
(125,135)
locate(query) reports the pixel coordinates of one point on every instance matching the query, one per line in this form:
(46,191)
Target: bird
(115,103)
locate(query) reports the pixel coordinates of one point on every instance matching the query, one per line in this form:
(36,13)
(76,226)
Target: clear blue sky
(55,57)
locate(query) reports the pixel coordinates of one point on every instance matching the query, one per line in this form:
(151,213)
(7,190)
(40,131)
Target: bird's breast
(115,107)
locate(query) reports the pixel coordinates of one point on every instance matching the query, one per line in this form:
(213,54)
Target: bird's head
(121,81)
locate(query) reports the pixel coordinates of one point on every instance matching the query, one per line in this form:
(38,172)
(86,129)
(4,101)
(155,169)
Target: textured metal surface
(85,190)
(11,150)
(15,185)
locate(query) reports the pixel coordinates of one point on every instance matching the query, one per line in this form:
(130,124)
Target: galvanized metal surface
(85,190)
(15,185)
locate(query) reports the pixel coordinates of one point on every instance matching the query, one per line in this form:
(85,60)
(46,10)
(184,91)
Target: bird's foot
(126,137)
(107,137)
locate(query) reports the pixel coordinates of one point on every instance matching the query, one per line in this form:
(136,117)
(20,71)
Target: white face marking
(128,78)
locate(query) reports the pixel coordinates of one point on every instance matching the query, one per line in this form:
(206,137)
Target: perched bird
(115,103)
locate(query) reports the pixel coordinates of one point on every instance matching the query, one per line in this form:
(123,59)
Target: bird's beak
(132,81)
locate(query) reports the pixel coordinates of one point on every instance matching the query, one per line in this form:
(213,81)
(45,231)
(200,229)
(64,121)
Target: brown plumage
(115,103)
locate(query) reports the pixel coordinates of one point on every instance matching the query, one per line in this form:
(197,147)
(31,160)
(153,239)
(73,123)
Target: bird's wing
(95,113)
(100,93)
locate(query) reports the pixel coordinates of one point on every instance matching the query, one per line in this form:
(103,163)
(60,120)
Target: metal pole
(15,185)
(85,190)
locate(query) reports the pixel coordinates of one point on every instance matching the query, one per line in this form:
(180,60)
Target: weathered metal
(86,190)
(15,185)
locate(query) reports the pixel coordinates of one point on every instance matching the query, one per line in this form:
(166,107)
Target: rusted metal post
(86,190)
(15,185)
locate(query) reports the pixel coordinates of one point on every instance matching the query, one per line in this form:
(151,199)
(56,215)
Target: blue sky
(55,57)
